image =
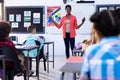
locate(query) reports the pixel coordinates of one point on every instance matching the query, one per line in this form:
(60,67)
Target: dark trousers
(69,42)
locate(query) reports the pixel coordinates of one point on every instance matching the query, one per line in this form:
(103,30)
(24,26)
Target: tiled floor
(54,73)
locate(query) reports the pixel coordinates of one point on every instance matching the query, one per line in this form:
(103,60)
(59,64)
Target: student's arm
(83,20)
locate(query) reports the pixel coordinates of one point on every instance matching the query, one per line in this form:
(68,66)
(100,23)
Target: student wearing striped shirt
(101,61)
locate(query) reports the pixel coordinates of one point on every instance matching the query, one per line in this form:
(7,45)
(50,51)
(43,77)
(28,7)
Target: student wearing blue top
(32,34)
(101,61)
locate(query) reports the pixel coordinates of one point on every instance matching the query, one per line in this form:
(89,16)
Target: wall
(54,34)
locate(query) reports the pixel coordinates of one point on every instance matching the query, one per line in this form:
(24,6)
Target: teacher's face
(68,10)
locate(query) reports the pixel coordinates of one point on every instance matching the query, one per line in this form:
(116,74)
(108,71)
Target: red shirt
(73,26)
(9,43)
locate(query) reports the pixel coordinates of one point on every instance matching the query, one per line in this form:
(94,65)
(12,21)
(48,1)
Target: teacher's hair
(68,6)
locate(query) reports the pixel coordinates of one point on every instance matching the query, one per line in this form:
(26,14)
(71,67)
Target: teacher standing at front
(69,25)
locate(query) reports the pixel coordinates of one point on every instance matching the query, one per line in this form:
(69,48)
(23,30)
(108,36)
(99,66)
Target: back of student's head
(106,22)
(31,28)
(5,29)
(117,17)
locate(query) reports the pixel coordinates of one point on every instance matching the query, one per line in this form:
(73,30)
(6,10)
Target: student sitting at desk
(34,39)
(5,29)
(32,34)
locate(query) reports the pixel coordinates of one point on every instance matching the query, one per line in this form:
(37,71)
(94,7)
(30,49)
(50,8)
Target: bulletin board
(20,17)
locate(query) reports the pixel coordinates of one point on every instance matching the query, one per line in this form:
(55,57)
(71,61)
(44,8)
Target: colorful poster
(55,13)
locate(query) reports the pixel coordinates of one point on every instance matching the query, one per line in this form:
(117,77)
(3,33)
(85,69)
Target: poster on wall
(36,18)
(18,17)
(55,13)
(26,24)
(27,15)
(14,24)
(11,17)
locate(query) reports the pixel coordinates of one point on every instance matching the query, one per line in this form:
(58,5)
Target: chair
(11,62)
(2,71)
(36,54)
(14,39)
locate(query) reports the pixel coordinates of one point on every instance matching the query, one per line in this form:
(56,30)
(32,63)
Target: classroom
(47,17)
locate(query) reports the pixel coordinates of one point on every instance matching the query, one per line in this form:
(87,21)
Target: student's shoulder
(10,43)
(94,47)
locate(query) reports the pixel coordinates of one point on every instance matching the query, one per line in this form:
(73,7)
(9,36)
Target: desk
(28,48)
(47,54)
(72,65)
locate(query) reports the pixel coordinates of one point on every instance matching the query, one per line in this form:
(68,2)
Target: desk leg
(53,55)
(62,76)
(48,58)
(74,76)
(37,68)
(28,65)
(4,71)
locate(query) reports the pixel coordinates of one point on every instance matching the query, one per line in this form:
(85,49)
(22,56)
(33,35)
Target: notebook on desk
(19,46)
(26,46)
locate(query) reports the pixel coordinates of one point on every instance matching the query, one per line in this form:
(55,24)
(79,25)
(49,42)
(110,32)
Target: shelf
(85,1)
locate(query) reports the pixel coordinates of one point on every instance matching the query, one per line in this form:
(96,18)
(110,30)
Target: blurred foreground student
(5,29)
(102,61)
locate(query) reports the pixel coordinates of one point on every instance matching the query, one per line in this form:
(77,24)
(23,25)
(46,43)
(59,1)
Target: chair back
(32,53)
(10,56)
(14,39)
(8,52)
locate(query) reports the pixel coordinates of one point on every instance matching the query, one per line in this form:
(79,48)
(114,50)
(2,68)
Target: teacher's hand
(83,20)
